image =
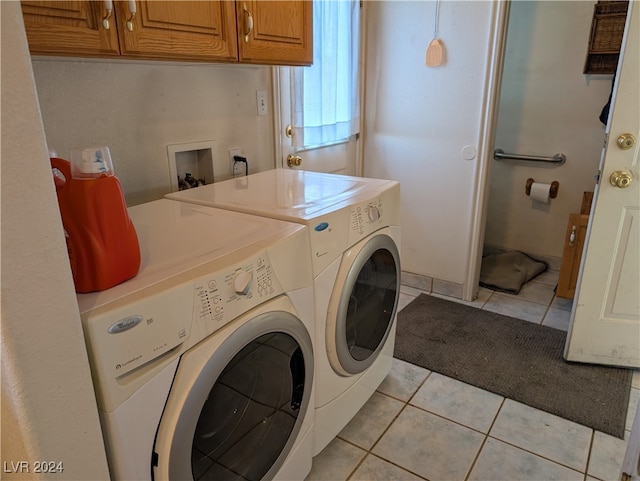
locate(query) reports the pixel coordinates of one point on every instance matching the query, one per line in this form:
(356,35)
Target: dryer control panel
(367,217)
(380,211)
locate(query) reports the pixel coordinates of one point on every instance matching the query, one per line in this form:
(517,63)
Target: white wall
(138,108)
(48,406)
(419,119)
(547,105)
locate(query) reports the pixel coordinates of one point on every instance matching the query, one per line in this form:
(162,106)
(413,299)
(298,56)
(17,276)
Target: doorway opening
(546,107)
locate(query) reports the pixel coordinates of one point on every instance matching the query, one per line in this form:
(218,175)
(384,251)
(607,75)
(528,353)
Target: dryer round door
(237,405)
(363,304)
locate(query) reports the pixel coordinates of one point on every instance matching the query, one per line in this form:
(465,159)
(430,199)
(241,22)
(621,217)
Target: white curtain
(325,105)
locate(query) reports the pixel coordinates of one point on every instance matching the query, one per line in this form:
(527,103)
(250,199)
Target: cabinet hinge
(606,140)
(597,176)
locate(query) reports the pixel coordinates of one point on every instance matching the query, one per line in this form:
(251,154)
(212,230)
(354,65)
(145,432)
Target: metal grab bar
(499,154)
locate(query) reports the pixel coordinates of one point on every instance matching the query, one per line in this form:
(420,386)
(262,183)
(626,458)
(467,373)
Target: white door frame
(486,134)
(278,116)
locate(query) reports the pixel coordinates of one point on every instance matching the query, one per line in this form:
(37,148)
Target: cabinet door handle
(248,23)
(132,10)
(108,6)
(572,236)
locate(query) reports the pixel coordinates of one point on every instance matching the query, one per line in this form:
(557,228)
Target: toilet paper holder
(553,191)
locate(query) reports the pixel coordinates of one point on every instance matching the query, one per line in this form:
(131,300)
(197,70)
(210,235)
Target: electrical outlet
(239,167)
(261,98)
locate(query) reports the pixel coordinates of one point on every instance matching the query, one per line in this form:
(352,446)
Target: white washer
(354,229)
(203,362)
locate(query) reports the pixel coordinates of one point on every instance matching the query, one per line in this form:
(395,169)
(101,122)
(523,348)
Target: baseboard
(431,285)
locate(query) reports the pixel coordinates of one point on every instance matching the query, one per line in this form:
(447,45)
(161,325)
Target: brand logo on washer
(125,324)
(321,226)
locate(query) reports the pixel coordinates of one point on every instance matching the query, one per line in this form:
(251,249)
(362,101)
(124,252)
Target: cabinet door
(195,30)
(572,255)
(69,28)
(277,32)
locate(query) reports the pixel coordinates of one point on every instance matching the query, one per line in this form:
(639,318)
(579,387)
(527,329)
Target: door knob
(294,160)
(620,179)
(626,141)
(572,237)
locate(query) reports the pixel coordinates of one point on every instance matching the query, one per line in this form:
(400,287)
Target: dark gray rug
(513,358)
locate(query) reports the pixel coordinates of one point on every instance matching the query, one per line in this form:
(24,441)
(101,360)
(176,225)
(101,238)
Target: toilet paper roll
(540,192)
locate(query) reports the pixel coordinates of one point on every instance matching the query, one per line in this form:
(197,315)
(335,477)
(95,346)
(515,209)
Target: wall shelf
(605,39)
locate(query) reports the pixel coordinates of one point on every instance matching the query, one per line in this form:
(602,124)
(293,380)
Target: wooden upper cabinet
(270,32)
(173,30)
(196,30)
(69,28)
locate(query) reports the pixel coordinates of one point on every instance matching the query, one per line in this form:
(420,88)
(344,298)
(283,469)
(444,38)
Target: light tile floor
(421,425)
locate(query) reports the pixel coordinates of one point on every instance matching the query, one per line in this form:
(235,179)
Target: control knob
(242,283)
(374,213)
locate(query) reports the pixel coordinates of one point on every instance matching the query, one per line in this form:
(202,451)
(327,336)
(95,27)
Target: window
(325,101)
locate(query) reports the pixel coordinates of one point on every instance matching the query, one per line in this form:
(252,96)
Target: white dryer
(354,230)
(203,363)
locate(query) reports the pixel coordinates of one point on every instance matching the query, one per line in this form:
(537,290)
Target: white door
(605,325)
(332,89)
(339,158)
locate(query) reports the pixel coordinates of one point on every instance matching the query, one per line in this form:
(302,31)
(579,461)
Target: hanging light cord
(435,28)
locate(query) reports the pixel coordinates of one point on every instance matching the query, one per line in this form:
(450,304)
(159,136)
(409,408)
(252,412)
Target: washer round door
(367,291)
(237,405)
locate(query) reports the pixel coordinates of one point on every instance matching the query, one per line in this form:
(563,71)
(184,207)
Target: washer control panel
(223,296)
(128,337)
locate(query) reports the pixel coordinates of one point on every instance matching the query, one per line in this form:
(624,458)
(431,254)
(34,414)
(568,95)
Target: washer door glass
(251,410)
(368,303)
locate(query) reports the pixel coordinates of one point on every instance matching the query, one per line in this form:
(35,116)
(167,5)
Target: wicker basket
(605,40)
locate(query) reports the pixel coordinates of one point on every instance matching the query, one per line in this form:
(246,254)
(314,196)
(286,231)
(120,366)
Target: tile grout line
(487,300)
(484,441)
(538,455)
(370,450)
(586,468)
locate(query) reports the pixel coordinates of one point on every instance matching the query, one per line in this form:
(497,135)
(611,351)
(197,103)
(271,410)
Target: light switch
(261,97)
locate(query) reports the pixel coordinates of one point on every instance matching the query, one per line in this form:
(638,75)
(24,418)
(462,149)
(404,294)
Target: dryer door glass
(368,304)
(251,411)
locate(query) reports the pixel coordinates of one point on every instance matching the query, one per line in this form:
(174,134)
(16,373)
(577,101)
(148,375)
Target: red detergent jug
(101,239)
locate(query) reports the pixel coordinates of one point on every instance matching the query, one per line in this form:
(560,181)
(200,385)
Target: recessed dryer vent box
(193,158)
